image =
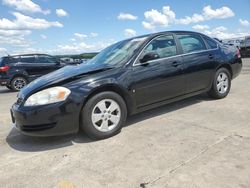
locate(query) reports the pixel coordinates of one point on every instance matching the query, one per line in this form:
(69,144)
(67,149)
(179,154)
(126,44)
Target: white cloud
(26,6)
(77,48)
(200,27)
(223,33)
(23,22)
(164,18)
(8,33)
(156,18)
(93,34)
(193,19)
(61,13)
(129,32)
(147,25)
(80,35)
(244,22)
(207,14)
(3,52)
(220,13)
(126,16)
(43,36)
(14,41)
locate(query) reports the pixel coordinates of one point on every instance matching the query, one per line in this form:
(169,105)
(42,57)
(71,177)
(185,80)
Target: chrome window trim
(179,55)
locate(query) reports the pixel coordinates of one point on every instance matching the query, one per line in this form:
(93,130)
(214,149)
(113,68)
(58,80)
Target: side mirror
(149,56)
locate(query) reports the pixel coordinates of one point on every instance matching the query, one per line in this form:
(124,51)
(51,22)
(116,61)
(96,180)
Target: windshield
(118,53)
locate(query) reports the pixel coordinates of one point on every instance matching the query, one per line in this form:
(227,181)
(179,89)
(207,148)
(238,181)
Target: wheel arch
(18,75)
(116,89)
(228,67)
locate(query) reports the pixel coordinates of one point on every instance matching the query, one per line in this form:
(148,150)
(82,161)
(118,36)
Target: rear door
(160,79)
(198,60)
(27,65)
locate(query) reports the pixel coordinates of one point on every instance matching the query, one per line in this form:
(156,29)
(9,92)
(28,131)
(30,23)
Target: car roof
(12,56)
(152,35)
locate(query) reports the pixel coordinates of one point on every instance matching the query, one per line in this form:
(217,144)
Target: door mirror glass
(149,57)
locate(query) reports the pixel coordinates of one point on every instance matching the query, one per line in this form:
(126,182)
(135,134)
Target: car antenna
(7,53)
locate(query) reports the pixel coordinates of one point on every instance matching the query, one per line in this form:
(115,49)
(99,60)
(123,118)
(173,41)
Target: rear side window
(27,59)
(211,43)
(191,43)
(164,46)
(46,59)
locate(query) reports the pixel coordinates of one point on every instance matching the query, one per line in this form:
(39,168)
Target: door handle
(210,56)
(176,64)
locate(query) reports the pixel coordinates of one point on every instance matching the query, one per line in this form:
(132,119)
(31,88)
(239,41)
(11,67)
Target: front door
(159,79)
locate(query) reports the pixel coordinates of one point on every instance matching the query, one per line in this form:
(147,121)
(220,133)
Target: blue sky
(76,26)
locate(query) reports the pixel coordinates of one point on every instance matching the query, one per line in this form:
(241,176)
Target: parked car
(245,47)
(126,78)
(17,71)
(233,42)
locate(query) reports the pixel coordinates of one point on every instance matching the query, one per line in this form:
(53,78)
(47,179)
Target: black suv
(17,71)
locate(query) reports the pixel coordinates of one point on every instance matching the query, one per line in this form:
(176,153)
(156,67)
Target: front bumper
(47,120)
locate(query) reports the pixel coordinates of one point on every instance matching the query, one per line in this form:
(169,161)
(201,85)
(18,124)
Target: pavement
(197,142)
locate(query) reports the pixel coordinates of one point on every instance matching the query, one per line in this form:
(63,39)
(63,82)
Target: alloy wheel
(19,83)
(106,115)
(222,83)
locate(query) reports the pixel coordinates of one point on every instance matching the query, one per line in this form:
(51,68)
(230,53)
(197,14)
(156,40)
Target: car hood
(66,73)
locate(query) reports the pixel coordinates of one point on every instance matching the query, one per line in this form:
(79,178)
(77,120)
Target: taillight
(238,53)
(4,69)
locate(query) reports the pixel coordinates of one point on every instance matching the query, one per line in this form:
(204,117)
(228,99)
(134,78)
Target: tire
(221,84)
(9,87)
(98,121)
(18,83)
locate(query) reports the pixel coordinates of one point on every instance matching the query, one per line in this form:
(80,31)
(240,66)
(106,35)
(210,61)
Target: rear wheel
(221,84)
(103,115)
(18,83)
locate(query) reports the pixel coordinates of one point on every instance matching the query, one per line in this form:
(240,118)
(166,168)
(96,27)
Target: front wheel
(103,115)
(221,84)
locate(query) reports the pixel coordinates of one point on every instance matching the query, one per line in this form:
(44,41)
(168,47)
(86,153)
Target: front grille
(30,128)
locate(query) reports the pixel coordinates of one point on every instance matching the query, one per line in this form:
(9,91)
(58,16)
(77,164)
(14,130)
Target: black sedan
(126,78)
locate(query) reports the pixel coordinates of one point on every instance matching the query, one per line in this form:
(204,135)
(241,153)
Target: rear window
(211,43)
(27,59)
(191,43)
(8,60)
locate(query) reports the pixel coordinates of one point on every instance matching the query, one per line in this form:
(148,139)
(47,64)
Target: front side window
(191,43)
(163,46)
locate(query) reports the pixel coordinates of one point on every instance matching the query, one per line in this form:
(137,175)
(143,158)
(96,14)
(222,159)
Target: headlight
(48,96)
